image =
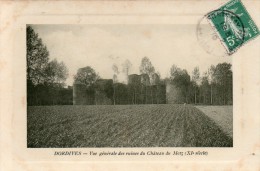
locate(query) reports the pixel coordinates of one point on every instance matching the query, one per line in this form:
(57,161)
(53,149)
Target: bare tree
(127,65)
(211,81)
(115,80)
(146,67)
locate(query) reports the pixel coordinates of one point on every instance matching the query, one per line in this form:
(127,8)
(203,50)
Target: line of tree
(45,78)
(214,87)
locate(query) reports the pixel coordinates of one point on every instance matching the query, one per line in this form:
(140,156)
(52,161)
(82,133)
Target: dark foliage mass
(53,94)
(45,78)
(86,75)
(214,87)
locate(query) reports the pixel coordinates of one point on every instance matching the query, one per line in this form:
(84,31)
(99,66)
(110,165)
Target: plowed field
(123,126)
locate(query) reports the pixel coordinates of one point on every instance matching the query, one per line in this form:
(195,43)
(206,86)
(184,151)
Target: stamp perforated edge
(221,39)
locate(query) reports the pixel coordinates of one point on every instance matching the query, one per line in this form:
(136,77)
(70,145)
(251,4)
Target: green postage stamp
(233,25)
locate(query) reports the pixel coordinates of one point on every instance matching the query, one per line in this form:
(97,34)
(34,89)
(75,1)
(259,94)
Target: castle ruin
(139,90)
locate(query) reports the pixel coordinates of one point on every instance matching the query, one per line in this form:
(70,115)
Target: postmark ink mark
(229,28)
(233,26)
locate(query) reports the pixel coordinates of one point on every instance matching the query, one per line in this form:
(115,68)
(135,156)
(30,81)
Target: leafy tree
(174,71)
(205,88)
(147,67)
(179,77)
(45,79)
(195,80)
(86,75)
(56,72)
(216,85)
(37,57)
(223,78)
(55,76)
(181,80)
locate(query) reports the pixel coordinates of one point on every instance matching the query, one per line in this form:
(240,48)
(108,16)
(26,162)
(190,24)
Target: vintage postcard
(130,85)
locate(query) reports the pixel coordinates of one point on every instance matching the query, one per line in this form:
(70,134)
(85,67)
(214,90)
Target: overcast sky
(100,46)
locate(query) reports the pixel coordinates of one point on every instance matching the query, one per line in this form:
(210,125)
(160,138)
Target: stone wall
(174,94)
(79,94)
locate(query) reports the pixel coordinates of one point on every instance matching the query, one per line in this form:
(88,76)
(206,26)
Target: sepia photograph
(129,85)
(117,85)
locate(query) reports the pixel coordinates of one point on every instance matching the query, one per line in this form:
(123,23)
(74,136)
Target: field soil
(222,115)
(123,126)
